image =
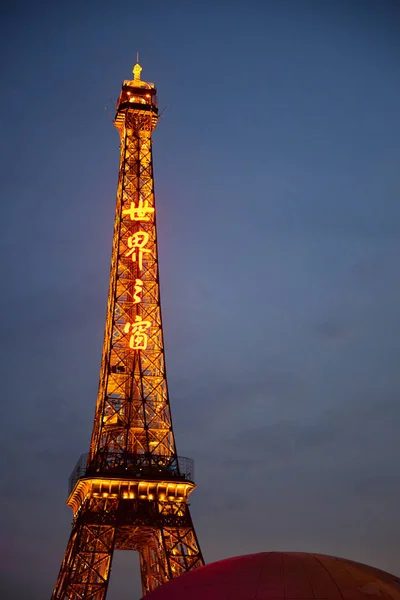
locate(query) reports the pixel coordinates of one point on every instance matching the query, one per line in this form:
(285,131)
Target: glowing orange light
(139,337)
(137,69)
(138,213)
(138,289)
(137,241)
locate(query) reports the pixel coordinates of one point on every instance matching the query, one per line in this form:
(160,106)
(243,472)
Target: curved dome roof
(282,576)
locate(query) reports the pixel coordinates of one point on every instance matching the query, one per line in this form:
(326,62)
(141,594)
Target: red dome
(282,576)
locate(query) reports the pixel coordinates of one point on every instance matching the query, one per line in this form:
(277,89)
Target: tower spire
(137,69)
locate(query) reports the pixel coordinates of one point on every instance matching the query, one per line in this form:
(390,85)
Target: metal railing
(135,466)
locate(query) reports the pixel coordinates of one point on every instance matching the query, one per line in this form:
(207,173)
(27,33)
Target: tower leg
(154,566)
(85,570)
(172,550)
(180,540)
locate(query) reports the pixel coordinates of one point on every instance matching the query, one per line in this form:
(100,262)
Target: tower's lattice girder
(131,492)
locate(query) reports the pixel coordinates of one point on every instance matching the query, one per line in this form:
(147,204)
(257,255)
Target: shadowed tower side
(131,491)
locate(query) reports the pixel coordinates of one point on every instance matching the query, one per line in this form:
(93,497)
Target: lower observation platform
(137,466)
(137,477)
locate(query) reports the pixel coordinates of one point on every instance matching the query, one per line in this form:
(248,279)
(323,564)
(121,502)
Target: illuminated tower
(131,491)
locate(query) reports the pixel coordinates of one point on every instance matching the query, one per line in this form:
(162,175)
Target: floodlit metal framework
(131,491)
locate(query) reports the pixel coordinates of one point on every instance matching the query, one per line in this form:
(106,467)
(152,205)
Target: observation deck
(137,95)
(138,467)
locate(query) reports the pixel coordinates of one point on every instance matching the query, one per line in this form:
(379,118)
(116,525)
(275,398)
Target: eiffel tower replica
(131,491)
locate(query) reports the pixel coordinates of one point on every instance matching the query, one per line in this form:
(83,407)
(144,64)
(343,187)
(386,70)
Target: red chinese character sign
(138,330)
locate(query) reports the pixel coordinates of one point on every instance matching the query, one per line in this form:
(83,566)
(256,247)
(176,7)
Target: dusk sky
(277,189)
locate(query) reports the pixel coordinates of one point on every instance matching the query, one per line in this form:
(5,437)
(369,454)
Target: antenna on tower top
(137,57)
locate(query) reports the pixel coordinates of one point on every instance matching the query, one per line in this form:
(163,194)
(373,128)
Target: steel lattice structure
(131,491)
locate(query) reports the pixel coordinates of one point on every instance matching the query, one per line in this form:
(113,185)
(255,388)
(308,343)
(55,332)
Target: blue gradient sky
(277,182)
